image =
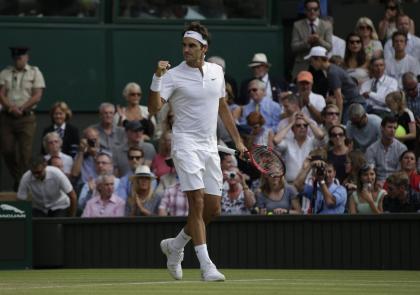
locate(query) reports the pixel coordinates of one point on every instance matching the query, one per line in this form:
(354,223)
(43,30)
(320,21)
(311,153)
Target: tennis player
(196,91)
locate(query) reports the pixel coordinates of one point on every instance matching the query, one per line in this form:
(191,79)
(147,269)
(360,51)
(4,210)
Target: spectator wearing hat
(106,203)
(344,88)
(142,200)
(110,135)
(307,33)
(311,103)
(135,137)
(362,128)
(21,88)
(273,87)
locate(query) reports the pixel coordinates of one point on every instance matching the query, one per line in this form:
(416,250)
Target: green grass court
(157,281)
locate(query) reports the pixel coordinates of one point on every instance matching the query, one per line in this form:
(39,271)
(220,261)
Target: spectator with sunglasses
(371,45)
(368,197)
(338,153)
(135,157)
(269,109)
(134,110)
(355,59)
(309,32)
(296,149)
(386,151)
(387,26)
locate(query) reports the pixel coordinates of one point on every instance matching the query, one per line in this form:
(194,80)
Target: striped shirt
(174,201)
(414,103)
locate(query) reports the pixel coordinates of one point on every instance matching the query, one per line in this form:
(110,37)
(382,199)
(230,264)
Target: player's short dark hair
(199,28)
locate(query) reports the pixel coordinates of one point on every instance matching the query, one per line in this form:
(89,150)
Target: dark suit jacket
(71,137)
(277,86)
(301,47)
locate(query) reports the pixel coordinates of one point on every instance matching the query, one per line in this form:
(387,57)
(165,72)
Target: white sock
(180,240)
(202,255)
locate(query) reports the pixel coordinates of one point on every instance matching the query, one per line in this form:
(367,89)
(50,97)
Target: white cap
(317,51)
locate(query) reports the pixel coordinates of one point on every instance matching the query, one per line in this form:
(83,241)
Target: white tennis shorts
(198,169)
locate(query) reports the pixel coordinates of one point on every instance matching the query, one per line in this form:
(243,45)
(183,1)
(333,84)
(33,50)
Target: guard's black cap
(18,50)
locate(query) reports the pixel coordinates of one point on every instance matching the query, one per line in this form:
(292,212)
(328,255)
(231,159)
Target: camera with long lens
(319,170)
(232,174)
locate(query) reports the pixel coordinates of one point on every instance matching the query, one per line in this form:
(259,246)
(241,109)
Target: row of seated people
(315,190)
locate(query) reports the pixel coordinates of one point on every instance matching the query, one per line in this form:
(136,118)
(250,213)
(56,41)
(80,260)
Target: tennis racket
(263,158)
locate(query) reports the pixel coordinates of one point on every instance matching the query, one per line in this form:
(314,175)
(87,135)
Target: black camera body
(320,171)
(91,142)
(232,174)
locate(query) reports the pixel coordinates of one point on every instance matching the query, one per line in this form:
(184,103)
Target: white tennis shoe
(174,259)
(211,274)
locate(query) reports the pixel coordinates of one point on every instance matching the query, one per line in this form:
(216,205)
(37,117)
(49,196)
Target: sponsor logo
(9,211)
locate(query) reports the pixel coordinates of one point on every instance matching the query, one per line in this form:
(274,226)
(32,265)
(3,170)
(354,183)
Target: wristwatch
(322,182)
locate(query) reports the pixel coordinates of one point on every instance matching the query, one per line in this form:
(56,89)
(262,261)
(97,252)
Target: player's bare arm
(155,102)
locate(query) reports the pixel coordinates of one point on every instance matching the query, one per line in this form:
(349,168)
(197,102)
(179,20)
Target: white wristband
(156,84)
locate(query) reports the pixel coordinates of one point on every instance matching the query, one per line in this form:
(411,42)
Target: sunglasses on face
(364,28)
(391,7)
(337,135)
(135,94)
(301,125)
(333,114)
(135,157)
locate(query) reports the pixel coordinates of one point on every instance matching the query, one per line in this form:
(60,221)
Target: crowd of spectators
(346,127)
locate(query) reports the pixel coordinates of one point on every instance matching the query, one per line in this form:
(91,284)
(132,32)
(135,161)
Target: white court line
(284,281)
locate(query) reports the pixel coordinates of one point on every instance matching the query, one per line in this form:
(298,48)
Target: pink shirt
(114,207)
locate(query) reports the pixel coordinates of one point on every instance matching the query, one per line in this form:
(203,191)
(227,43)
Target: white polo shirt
(48,194)
(195,101)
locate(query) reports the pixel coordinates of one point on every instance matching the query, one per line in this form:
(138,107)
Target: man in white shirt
(50,190)
(401,62)
(196,91)
(296,149)
(377,87)
(413,42)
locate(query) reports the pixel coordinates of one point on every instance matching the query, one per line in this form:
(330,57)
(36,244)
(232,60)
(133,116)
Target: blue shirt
(269,109)
(338,192)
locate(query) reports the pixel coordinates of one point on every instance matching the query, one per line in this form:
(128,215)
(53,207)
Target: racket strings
(268,161)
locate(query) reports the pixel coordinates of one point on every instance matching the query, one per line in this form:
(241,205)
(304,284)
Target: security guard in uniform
(21,88)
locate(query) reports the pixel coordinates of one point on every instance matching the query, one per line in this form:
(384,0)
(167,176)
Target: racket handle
(227,150)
